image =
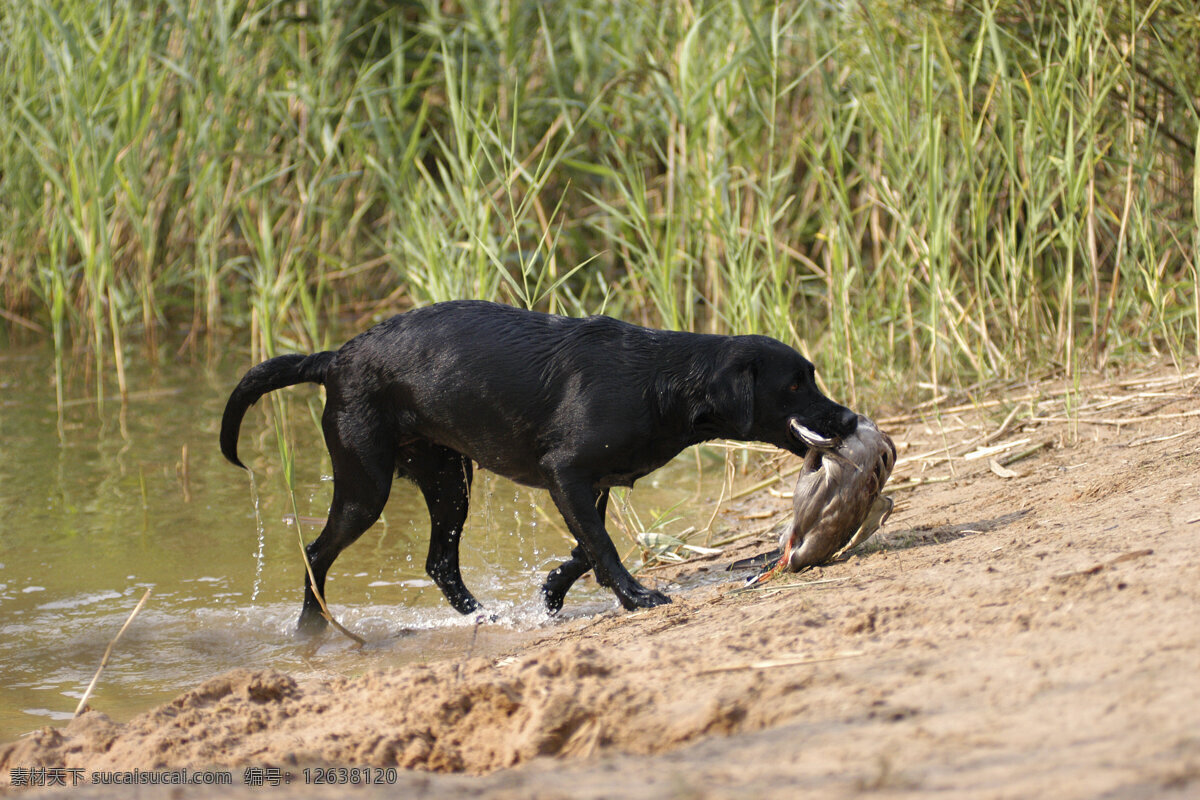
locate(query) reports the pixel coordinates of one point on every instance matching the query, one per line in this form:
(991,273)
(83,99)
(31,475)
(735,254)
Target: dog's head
(770,394)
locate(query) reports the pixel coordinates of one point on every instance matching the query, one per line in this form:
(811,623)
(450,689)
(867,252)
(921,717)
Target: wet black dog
(575,406)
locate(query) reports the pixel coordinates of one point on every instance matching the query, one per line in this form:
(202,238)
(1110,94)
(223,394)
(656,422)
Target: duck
(838,502)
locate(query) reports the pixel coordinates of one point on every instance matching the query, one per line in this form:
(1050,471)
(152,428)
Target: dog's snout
(847,421)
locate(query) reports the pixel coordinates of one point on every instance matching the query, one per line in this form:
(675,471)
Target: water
(139,496)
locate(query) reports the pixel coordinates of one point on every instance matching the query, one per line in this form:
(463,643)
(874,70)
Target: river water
(108,499)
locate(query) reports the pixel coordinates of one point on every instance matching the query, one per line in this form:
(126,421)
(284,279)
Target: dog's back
(504,385)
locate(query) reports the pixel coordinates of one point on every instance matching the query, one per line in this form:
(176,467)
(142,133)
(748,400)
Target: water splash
(533,525)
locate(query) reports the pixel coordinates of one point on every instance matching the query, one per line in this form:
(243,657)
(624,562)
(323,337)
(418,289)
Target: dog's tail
(272,374)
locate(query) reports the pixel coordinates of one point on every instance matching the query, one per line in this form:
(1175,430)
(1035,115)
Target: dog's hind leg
(444,477)
(362,479)
(563,577)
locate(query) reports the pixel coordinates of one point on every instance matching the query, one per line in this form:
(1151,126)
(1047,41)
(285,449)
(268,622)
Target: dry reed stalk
(108,652)
(325,612)
(792,660)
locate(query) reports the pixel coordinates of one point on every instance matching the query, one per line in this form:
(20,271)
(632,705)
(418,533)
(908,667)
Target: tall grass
(920,193)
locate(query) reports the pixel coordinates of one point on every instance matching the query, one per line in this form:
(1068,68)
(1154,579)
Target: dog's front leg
(562,578)
(577,502)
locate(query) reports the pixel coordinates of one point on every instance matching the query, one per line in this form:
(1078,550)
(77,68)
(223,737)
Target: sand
(1029,629)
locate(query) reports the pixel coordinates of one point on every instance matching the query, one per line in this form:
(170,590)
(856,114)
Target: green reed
(913,193)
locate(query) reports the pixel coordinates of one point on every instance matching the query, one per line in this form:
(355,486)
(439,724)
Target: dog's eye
(795,387)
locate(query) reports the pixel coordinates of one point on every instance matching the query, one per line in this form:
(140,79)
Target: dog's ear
(731,398)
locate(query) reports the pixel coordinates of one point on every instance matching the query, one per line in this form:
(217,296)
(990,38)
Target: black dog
(575,406)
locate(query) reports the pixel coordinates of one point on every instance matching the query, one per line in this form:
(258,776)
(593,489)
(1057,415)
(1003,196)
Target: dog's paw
(638,596)
(559,582)
(462,600)
(553,597)
(311,623)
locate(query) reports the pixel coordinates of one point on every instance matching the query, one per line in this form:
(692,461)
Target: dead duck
(838,501)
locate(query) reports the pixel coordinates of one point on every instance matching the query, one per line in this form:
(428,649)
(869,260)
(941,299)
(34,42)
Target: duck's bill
(811,437)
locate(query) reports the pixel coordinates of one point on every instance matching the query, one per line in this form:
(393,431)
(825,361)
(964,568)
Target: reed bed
(920,195)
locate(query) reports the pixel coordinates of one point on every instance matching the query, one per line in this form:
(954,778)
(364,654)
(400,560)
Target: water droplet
(259,555)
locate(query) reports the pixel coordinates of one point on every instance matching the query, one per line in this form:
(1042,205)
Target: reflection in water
(139,496)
